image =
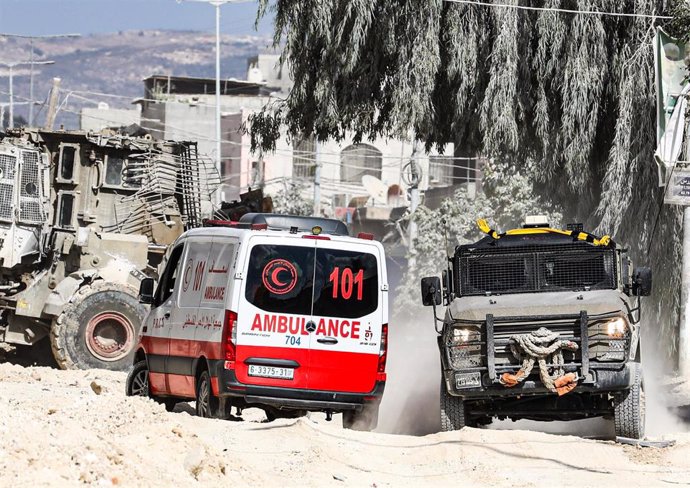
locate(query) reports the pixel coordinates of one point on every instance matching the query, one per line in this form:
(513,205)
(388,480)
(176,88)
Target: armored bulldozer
(84,218)
(540,324)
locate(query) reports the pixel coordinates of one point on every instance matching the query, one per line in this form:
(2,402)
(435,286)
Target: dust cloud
(411,401)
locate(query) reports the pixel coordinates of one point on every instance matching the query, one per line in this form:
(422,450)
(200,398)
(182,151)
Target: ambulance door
(185,317)
(347,315)
(215,289)
(164,302)
(273,338)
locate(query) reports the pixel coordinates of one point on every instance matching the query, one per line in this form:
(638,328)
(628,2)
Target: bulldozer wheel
(98,328)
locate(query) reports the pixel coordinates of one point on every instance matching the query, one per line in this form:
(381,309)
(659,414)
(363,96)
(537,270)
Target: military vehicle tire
(365,420)
(452,410)
(207,404)
(629,410)
(98,328)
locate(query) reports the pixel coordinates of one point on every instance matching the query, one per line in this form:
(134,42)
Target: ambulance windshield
(286,278)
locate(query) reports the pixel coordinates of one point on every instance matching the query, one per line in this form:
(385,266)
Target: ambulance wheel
(365,420)
(98,328)
(207,403)
(137,383)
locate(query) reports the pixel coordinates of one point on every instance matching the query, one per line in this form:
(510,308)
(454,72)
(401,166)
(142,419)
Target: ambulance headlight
(464,348)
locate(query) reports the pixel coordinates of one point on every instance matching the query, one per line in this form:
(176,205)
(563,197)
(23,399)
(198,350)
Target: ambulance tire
(98,328)
(207,404)
(364,420)
(137,383)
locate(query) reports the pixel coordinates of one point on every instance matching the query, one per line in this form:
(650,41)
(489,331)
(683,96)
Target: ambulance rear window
(347,284)
(282,279)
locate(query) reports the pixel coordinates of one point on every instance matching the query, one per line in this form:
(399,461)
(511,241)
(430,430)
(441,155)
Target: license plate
(467,380)
(271,372)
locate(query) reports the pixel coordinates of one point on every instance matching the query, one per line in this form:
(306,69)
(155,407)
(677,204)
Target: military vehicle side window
(68,165)
(118,173)
(65,218)
(166,285)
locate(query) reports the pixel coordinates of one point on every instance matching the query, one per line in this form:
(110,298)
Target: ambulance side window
(166,284)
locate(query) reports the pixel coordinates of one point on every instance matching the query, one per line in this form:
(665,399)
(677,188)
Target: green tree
(568,97)
(289,200)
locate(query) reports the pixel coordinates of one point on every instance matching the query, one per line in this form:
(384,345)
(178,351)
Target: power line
(560,10)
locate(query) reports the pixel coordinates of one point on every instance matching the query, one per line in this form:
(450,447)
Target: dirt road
(64,428)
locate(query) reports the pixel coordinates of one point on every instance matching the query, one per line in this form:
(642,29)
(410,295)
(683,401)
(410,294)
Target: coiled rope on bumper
(540,346)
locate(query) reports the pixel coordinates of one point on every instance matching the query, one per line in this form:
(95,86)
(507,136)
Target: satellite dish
(376,189)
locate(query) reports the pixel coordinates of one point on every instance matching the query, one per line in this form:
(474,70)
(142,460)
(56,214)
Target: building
(183,108)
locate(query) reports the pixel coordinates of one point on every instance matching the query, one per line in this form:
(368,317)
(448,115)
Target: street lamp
(217,4)
(11,67)
(31,82)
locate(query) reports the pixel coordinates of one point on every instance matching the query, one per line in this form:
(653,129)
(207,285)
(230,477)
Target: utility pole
(52,104)
(11,66)
(317,179)
(684,330)
(31,62)
(217,4)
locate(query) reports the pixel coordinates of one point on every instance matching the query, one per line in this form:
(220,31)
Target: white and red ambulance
(284,313)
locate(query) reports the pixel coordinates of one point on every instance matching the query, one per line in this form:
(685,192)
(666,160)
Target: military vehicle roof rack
(301,223)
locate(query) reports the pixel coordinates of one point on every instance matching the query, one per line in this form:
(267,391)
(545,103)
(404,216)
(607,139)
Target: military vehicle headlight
(617,327)
(609,339)
(464,348)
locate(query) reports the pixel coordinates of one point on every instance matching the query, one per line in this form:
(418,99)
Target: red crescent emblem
(273,271)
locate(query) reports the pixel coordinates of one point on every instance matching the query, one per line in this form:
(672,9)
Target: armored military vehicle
(540,324)
(83,219)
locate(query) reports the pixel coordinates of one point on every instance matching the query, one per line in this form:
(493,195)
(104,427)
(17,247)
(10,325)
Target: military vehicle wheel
(452,411)
(206,403)
(98,328)
(366,419)
(629,411)
(137,383)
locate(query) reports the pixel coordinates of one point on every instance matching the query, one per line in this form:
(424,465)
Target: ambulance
(284,313)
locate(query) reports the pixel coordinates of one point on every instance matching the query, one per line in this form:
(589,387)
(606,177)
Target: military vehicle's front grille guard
(504,327)
(529,269)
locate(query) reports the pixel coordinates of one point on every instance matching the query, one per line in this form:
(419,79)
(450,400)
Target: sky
(44,17)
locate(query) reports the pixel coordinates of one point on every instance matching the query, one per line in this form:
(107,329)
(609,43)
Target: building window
(304,158)
(440,171)
(359,160)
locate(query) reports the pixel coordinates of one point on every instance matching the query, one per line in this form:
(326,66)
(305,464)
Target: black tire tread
(452,411)
(628,415)
(60,326)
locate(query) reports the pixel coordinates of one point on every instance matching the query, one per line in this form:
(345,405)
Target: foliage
(507,197)
(290,200)
(568,97)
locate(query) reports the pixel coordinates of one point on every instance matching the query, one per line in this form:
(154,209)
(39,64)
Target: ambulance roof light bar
(233,224)
(300,222)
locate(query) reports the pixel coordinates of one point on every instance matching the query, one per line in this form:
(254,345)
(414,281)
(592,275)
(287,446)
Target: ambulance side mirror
(146,289)
(642,282)
(431,291)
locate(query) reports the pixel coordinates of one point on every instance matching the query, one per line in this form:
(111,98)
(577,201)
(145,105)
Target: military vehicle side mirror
(642,282)
(146,289)
(431,291)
